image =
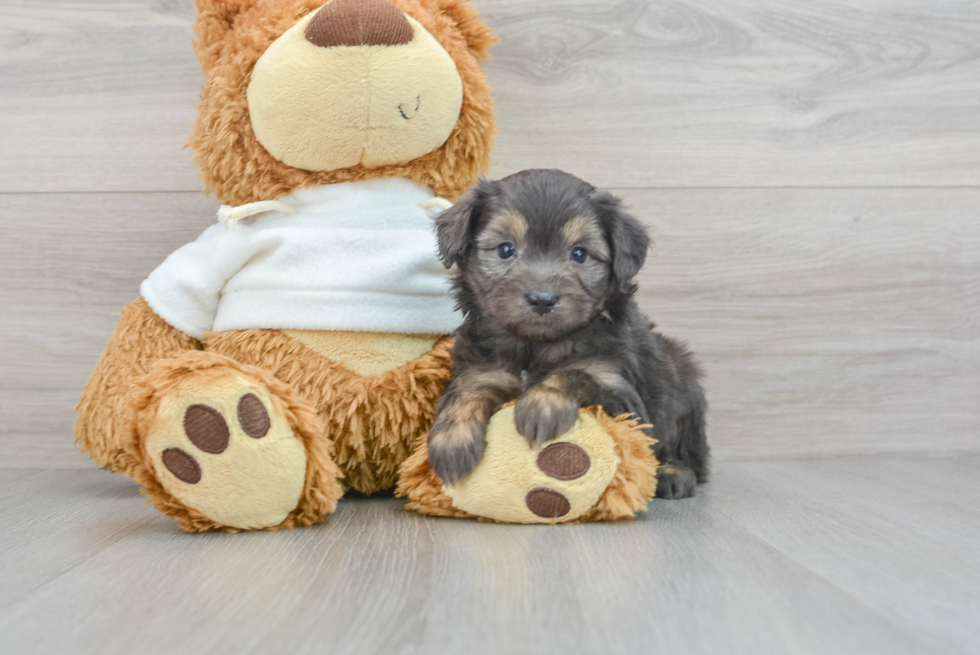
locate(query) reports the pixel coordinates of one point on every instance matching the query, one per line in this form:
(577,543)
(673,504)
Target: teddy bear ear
(215,20)
(479,37)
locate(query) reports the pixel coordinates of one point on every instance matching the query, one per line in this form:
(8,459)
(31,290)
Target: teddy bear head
(307,92)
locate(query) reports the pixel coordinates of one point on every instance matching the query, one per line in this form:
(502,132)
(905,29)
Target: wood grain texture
(728,93)
(829,556)
(98,96)
(828,321)
(68,263)
(848,533)
(74,517)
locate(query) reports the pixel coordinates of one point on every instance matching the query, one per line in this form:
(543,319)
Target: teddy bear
(298,347)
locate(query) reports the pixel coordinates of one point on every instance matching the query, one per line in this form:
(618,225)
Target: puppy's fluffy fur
(546,267)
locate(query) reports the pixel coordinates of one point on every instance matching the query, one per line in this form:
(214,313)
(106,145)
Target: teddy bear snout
(358,22)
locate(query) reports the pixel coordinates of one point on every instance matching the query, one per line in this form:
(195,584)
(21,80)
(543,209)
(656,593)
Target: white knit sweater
(353,256)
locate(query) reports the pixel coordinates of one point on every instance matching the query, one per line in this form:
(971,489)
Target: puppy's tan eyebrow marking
(511,222)
(577,229)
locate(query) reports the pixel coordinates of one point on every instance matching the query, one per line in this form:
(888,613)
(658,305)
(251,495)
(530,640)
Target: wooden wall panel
(634,93)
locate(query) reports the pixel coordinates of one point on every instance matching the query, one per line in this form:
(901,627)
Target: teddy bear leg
(225,446)
(105,417)
(602,469)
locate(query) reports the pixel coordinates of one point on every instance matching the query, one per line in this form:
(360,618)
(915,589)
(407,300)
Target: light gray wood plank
(75,516)
(770,557)
(947,480)
(69,263)
(98,97)
(828,321)
(892,532)
(727,93)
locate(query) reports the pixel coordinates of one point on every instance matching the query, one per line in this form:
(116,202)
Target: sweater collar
(351,198)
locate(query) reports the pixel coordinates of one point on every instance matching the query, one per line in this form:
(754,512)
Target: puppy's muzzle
(541,302)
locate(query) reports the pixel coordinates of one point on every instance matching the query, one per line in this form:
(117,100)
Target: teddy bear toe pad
(219,450)
(564,461)
(516,483)
(208,431)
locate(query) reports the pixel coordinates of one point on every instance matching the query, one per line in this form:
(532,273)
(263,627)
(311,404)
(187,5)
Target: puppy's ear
(454,227)
(627,237)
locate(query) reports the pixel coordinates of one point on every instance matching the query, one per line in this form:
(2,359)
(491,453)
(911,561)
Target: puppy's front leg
(550,408)
(546,411)
(458,435)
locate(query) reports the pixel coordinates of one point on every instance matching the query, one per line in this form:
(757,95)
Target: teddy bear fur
(230,37)
(357,429)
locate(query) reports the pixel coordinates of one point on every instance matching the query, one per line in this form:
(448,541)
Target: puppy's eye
(506,250)
(579,254)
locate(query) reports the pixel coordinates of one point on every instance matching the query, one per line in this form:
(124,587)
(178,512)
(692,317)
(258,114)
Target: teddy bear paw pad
(227,455)
(516,483)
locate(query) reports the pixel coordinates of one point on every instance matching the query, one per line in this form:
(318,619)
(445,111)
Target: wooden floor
(875,554)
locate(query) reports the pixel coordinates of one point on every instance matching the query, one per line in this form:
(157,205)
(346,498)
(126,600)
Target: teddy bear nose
(358,22)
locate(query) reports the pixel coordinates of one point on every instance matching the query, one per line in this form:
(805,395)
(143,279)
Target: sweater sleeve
(185,289)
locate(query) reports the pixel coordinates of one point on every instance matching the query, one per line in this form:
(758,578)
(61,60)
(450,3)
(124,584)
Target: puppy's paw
(544,414)
(675,481)
(455,448)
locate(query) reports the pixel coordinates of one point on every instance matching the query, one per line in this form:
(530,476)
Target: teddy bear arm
(105,411)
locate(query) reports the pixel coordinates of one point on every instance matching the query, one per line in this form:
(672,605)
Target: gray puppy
(546,267)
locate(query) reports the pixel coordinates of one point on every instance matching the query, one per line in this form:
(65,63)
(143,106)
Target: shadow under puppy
(546,267)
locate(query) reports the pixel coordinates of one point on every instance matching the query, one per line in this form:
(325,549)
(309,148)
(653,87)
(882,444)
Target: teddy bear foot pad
(222,444)
(601,469)
(558,482)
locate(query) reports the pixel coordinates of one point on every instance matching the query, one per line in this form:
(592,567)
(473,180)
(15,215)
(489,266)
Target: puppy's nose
(541,302)
(358,22)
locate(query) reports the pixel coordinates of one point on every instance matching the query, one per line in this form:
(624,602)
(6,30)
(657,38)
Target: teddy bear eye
(579,254)
(506,250)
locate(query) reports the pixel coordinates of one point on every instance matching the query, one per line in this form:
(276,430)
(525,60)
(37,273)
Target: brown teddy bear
(298,347)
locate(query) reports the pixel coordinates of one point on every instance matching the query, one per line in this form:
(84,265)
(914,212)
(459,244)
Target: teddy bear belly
(374,421)
(366,353)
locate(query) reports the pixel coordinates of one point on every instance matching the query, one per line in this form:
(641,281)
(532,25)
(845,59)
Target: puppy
(546,265)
